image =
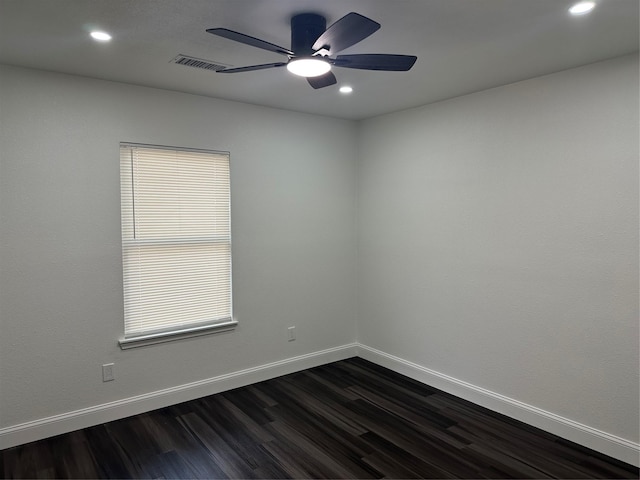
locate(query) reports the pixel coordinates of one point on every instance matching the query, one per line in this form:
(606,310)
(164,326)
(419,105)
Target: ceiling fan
(313,45)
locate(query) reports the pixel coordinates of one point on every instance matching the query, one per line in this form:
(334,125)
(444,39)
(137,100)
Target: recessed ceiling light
(100,36)
(582,8)
(346,89)
(308,67)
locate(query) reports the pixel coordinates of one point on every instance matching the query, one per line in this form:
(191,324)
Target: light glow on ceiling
(346,90)
(308,67)
(100,36)
(582,8)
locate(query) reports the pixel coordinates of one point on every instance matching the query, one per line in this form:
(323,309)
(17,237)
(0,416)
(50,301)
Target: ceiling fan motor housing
(305,30)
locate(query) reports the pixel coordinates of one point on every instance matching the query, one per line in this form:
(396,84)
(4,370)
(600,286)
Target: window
(176,243)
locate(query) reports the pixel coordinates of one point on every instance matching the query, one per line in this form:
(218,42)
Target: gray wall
(498,241)
(61,306)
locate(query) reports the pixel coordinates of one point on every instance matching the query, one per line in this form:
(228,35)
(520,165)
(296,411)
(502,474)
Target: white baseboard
(598,440)
(603,442)
(87,417)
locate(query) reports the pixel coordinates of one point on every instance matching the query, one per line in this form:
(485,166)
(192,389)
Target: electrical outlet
(107,372)
(291,331)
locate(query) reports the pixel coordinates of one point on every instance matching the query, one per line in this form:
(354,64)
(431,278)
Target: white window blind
(176,240)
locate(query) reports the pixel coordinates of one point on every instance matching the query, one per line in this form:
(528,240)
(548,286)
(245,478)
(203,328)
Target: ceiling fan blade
(247,40)
(345,32)
(376,61)
(251,68)
(323,80)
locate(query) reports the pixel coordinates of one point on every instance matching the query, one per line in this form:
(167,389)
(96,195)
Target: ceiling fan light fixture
(582,8)
(308,67)
(100,36)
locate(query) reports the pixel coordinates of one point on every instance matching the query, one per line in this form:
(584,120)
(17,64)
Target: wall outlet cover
(107,372)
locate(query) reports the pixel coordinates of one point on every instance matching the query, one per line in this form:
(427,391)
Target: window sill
(153,338)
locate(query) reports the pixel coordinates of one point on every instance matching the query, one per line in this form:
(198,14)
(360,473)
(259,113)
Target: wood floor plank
(237,436)
(322,404)
(334,464)
(342,446)
(407,460)
(348,419)
(296,465)
(428,422)
(250,404)
(222,454)
(181,449)
(77,460)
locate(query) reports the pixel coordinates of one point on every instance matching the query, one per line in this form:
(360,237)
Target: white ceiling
(462,45)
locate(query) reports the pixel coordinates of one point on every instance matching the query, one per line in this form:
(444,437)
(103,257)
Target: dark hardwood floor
(349,419)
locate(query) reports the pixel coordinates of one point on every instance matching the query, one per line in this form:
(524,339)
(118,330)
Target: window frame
(177,331)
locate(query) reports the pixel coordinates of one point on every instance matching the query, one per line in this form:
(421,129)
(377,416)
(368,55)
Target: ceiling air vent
(199,63)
